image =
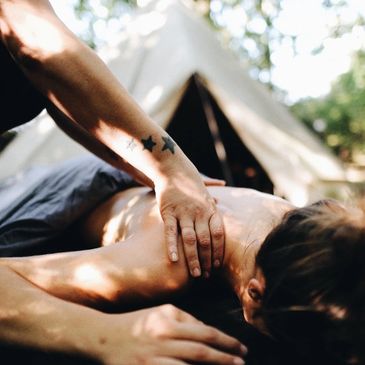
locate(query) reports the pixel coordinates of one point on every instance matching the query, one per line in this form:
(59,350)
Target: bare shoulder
(250,204)
(239,196)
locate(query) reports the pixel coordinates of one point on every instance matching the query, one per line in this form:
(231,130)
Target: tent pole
(214,131)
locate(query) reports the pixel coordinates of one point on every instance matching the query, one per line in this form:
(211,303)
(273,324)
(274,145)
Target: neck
(239,259)
(248,218)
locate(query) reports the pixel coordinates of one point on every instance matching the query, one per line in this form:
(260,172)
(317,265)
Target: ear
(252,298)
(255,291)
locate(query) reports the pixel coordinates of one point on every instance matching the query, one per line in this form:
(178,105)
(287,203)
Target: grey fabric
(41,205)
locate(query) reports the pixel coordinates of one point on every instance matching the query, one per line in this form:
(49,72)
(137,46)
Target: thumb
(209,181)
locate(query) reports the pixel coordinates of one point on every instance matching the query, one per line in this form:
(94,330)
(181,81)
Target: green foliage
(85,11)
(339,118)
(257,44)
(257,38)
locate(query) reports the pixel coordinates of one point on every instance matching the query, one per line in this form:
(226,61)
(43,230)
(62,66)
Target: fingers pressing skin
(209,181)
(170,226)
(204,245)
(189,240)
(217,236)
(201,228)
(203,242)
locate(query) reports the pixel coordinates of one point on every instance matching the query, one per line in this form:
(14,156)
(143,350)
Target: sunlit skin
(88,102)
(128,268)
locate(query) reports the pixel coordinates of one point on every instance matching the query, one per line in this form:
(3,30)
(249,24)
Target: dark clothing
(37,212)
(20,101)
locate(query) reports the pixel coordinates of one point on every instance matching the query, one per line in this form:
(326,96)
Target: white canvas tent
(154,58)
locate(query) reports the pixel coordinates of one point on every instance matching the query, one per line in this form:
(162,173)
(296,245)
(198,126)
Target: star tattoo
(148,143)
(169,144)
(131,145)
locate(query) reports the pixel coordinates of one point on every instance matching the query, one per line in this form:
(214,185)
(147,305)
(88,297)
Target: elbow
(29,59)
(36,43)
(32,31)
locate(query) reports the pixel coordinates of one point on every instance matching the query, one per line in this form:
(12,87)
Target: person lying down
(295,271)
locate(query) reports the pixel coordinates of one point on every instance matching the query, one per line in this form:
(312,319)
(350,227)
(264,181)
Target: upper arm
(140,268)
(31,30)
(135,272)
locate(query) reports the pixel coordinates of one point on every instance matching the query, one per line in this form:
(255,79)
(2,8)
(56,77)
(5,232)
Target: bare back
(248,214)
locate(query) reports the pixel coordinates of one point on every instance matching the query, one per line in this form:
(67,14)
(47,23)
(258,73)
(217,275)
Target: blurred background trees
(256,31)
(339,117)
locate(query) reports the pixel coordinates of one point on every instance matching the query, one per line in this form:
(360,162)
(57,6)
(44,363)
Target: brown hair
(314,268)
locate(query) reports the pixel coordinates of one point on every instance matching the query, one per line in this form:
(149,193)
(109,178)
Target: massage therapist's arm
(81,87)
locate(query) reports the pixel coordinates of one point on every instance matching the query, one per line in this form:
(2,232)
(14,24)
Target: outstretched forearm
(81,86)
(80,135)
(31,318)
(113,277)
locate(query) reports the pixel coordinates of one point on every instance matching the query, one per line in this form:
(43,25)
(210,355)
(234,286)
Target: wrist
(87,334)
(174,170)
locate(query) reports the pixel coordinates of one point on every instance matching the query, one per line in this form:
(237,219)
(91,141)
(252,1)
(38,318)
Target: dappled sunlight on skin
(248,217)
(140,273)
(115,230)
(88,276)
(100,277)
(150,324)
(239,274)
(40,307)
(127,214)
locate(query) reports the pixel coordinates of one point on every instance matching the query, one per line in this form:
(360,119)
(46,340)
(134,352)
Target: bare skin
(128,268)
(88,103)
(32,318)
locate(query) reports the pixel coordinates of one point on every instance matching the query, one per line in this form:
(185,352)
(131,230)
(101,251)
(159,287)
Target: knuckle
(204,241)
(189,238)
(199,211)
(167,215)
(166,329)
(212,335)
(218,233)
(170,229)
(168,309)
(201,352)
(225,359)
(193,261)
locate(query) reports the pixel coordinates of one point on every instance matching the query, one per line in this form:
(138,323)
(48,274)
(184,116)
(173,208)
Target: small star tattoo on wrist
(131,145)
(169,144)
(148,143)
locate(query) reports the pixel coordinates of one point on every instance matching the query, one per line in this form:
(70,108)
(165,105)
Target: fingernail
(238,361)
(196,272)
(174,256)
(217,263)
(243,349)
(206,274)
